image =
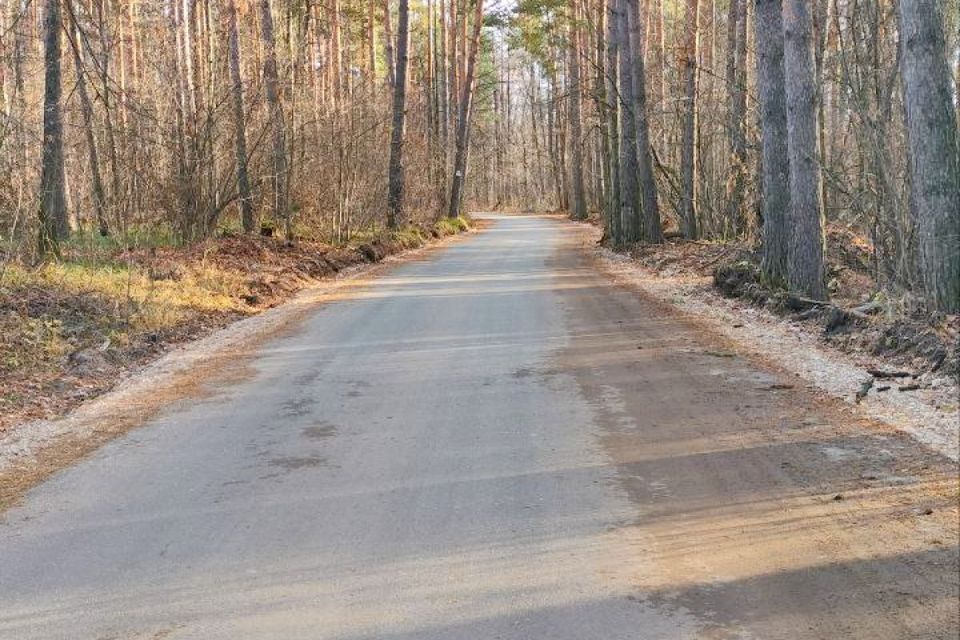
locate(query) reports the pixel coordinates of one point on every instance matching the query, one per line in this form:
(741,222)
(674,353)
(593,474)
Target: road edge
(824,370)
(33,451)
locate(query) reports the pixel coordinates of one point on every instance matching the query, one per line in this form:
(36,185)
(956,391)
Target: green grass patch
(451,226)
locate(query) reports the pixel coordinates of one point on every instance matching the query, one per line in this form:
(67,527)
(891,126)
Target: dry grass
(69,329)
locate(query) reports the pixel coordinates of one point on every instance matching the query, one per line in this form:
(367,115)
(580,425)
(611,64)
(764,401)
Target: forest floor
(71,329)
(899,364)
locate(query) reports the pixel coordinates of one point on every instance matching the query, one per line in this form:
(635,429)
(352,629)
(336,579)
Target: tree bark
(271,81)
(395,186)
(463,117)
(388,49)
(336,52)
(775,159)
(932,138)
(650,230)
(577,195)
(371,44)
(54,224)
(736,85)
(805,254)
(86,108)
(629,186)
(656,62)
(688,144)
(239,120)
(613,122)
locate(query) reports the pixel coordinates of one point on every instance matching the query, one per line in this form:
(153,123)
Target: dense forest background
(181,119)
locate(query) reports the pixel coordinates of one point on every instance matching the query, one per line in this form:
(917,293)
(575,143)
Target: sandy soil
(764,507)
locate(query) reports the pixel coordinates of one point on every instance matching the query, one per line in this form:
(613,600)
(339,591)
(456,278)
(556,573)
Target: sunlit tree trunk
(54,223)
(463,117)
(578,199)
(737,100)
(613,121)
(271,82)
(388,48)
(239,120)
(395,186)
(86,108)
(655,62)
(688,145)
(650,230)
(371,44)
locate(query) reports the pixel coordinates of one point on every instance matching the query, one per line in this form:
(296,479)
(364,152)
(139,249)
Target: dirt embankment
(70,330)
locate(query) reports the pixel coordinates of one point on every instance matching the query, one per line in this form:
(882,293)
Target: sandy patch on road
(931,415)
(763,507)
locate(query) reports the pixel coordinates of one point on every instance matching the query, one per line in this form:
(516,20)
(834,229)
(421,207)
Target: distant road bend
(494,442)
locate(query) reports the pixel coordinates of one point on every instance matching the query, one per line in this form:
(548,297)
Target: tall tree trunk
(371,44)
(688,144)
(86,108)
(239,119)
(932,135)
(54,223)
(775,159)
(629,186)
(453,64)
(271,81)
(805,256)
(578,198)
(336,53)
(463,117)
(443,95)
(388,49)
(106,91)
(602,94)
(555,141)
(655,66)
(612,103)
(536,111)
(395,194)
(736,85)
(650,230)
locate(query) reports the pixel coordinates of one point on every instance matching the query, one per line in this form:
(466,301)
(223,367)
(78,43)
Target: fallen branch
(884,375)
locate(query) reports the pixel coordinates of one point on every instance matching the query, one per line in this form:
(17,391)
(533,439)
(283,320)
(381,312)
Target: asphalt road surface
(494,442)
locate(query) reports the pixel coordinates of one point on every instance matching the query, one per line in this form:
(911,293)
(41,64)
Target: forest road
(495,442)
